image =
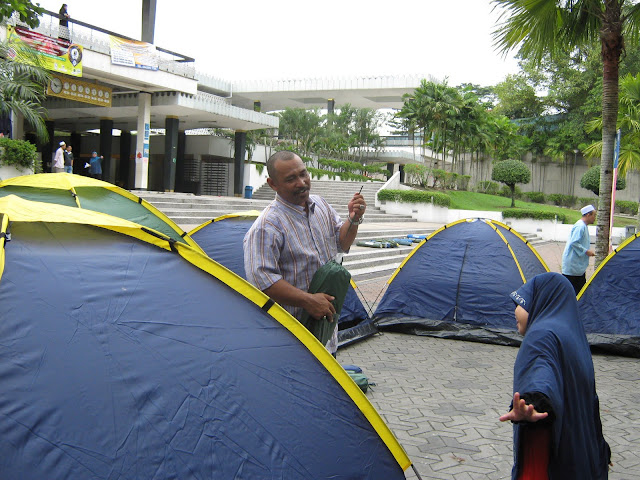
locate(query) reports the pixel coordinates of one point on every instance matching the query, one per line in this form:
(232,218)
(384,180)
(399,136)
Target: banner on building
(131,53)
(74,89)
(55,54)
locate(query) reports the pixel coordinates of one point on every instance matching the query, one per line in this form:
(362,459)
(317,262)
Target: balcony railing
(96,39)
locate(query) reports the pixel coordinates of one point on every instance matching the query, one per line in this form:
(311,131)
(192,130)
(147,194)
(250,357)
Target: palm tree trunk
(612,43)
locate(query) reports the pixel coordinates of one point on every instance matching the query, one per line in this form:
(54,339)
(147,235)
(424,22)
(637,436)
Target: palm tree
(628,123)
(539,27)
(22,86)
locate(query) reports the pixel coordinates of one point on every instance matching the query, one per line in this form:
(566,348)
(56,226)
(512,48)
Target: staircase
(364,264)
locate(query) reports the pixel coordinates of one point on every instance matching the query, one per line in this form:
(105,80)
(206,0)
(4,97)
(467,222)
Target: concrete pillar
(142,141)
(170,153)
(390,169)
(148,20)
(125,167)
(106,141)
(401,169)
(48,148)
(257,106)
(182,145)
(238,162)
(331,103)
(17,126)
(76,147)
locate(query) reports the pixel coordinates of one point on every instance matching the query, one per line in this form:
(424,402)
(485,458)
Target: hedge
(415,196)
(562,200)
(626,206)
(534,214)
(536,197)
(488,187)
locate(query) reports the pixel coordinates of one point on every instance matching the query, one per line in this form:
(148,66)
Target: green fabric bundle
(332,279)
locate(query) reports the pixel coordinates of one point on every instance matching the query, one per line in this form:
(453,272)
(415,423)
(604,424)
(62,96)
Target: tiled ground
(442,398)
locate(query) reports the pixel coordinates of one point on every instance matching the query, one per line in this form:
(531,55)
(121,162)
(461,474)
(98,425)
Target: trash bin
(248,191)
(630,230)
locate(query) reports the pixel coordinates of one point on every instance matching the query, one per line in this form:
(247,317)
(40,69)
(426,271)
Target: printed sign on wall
(55,54)
(74,89)
(131,53)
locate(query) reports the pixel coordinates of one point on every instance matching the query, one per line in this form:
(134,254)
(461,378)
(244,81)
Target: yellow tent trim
(16,209)
(247,213)
(66,181)
(4,223)
(606,260)
(313,345)
(517,234)
(420,245)
(513,255)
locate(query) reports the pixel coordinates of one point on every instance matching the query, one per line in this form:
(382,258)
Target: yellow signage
(74,89)
(55,54)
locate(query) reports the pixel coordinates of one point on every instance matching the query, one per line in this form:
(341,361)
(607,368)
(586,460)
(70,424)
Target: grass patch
(461,200)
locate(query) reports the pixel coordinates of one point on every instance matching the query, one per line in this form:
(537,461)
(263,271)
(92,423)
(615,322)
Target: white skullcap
(587,209)
(62,143)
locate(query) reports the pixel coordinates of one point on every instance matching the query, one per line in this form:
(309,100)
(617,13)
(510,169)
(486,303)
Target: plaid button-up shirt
(286,243)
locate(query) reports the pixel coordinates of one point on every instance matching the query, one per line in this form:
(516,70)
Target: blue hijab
(554,359)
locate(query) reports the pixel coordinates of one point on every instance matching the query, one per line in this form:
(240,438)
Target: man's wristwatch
(357,222)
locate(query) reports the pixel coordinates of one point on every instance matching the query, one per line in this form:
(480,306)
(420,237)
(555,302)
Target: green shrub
(439,176)
(562,200)
(591,180)
(462,182)
(535,214)
(450,180)
(417,174)
(628,207)
(17,153)
(506,192)
(582,201)
(488,187)
(536,197)
(415,196)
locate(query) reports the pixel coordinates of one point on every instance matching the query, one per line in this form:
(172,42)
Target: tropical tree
(26,10)
(539,27)
(22,86)
(511,172)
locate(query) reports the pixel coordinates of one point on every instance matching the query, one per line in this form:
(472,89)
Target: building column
(182,146)
(238,163)
(47,149)
(17,126)
(170,153)
(125,170)
(142,141)
(148,20)
(257,106)
(331,103)
(106,141)
(401,169)
(76,146)
(390,170)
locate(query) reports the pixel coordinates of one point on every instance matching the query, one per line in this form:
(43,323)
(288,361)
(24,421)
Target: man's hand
(522,412)
(591,253)
(319,305)
(357,207)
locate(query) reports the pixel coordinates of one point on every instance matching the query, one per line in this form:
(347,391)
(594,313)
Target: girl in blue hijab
(557,432)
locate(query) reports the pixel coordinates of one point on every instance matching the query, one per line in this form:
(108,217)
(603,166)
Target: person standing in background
(575,258)
(58,159)
(68,160)
(63,29)
(95,166)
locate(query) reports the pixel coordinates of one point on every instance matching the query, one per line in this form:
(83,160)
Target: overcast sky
(249,39)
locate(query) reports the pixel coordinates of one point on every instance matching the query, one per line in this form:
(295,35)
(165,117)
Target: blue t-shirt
(574,259)
(95,165)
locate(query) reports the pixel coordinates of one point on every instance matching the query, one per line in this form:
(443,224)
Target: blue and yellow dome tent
(609,303)
(456,283)
(92,194)
(221,239)
(163,364)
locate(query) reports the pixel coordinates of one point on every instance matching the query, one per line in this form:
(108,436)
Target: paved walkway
(442,398)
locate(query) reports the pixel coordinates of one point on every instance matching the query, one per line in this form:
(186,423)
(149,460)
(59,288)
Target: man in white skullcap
(58,160)
(575,258)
